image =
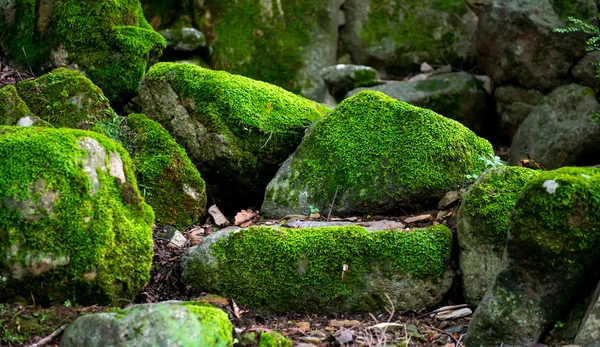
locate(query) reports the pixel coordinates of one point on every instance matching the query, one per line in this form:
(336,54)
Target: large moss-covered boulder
(329,269)
(516,41)
(12,107)
(552,250)
(286,43)
(236,130)
(170,323)
(72,222)
(396,36)
(167,177)
(460,96)
(374,154)
(483,224)
(109,41)
(562,130)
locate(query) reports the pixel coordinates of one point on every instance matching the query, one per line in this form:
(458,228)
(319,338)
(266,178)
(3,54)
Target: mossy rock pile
(552,256)
(375,155)
(72,222)
(483,224)
(237,131)
(109,41)
(168,180)
(170,323)
(327,270)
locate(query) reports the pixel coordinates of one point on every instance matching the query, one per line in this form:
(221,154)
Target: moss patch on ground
(109,40)
(169,181)
(98,238)
(301,269)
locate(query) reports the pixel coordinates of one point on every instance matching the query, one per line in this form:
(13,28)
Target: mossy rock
(237,131)
(109,41)
(302,270)
(398,35)
(285,43)
(273,339)
(168,180)
(552,254)
(483,224)
(170,323)
(12,107)
(342,78)
(459,96)
(72,223)
(375,155)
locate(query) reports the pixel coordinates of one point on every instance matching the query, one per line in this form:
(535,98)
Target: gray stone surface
(562,130)
(589,333)
(586,71)
(342,78)
(516,42)
(184,39)
(513,105)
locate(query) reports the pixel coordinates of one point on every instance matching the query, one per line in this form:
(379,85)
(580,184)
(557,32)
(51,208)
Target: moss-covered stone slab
(286,43)
(170,323)
(396,36)
(460,96)
(562,130)
(168,179)
(12,107)
(373,155)
(236,130)
(326,270)
(516,41)
(483,224)
(552,252)
(109,41)
(72,223)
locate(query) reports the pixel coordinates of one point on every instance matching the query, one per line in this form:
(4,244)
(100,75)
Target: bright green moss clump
(170,182)
(378,154)
(109,40)
(72,223)
(284,269)
(236,130)
(12,107)
(273,339)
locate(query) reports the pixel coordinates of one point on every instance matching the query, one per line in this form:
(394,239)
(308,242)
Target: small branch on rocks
(332,203)
(50,337)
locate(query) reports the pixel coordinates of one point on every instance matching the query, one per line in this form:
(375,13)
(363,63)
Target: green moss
(364,78)
(163,169)
(12,107)
(584,10)
(491,200)
(560,227)
(379,152)
(107,242)
(247,36)
(260,125)
(301,269)
(109,40)
(217,327)
(273,339)
(65,98)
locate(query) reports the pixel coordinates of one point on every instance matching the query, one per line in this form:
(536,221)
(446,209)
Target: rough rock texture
(459,96)
(482,226)
(375,154)
(183,39)
(294,39)
(589,333)
(516,42)
(109,41)
(396,36)
(552,249)
(167,177)
(342,78)
(513,104)
(302,270)
(236,130)
(562,130)
(586,70)
(73,223)
(12,107)
(169,323)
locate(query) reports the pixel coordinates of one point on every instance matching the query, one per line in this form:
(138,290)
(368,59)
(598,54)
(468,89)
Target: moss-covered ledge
(329,270)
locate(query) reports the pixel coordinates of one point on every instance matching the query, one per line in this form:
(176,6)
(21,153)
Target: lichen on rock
(67,231)
(330,269)
(375,154)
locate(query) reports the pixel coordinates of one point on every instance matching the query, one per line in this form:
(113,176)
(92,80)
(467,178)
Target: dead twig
(393,309)
(442,309)
(50,337)
(447,334)
(332,203)
(27,60)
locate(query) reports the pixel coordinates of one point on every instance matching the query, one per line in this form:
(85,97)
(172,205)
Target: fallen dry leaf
(218,217)
(244,216)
